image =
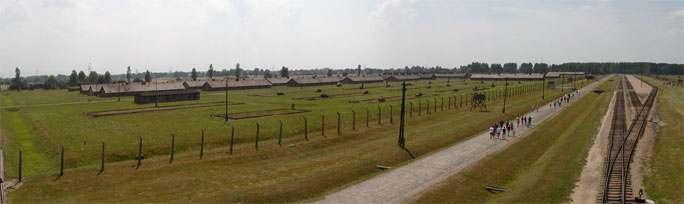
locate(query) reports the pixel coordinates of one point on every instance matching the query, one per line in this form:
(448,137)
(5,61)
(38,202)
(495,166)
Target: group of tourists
(504,129)
(566,98)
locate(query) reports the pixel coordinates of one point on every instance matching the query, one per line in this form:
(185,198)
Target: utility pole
(226,119)
(401,123)
(156,97)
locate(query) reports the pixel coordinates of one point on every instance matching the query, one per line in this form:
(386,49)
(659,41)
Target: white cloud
(389,11)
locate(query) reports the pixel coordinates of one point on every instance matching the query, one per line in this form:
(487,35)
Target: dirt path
(401,183)
(590,179)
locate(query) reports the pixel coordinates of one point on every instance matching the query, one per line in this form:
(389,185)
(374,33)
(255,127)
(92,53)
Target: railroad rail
(636,102)
(617,182)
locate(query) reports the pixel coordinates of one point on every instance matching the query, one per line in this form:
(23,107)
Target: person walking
(491,132)
(529,121)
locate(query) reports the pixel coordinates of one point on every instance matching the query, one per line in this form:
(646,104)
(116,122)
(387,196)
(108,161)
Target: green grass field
(273,174)
(542,167)
(664,181)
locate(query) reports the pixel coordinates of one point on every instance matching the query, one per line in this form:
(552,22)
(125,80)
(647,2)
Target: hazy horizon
(54,37)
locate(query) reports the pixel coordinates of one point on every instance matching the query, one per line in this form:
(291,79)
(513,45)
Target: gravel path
(399,184)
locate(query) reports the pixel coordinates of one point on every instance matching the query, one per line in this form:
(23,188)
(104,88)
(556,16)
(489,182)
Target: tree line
(81,77)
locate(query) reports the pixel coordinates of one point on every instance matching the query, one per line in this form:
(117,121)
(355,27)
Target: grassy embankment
(272,174)
(542,167)
(50,126)
(664,180)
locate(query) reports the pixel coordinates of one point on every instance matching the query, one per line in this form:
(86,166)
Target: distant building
(402,78)
(74,88)
(451,76)
(166,96)
(558,74)
(361,79)
(512,77)
(113,90)
(313,81)
(278,81)
(194,84)
(236,85)
(427,76)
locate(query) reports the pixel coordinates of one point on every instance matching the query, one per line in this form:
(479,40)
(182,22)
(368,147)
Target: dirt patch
(152,109)
(589,183)
(642,89)
(261,113)
(642,154)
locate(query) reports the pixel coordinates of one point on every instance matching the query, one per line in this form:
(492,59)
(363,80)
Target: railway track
(636,102)
(617,184)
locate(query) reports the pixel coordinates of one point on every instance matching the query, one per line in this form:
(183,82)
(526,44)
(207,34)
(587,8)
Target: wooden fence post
(305,129)
(391,119)
(256,143)
(419,107)
(353,120)
(411,110)
(173,141)
(379,115)
(449,105)
(140,156)
(280,133)
(323,125)
(427,106)
(338,123)
(202,145)
(441,106)
(103,157)
(435,106)
(232,134)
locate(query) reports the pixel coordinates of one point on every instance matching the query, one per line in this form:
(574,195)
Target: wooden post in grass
(338,123)
(427,106)
(419,107)
(411,110)
(305,129)
(202,145)
(441,107)
(140,156)
(256,142)
(280,133)
(232,134)
(323,125)
(19,164)
(61,162)
(435,106)
(367,117)
(391,119)
(466,101)
(103,155)
(460,103)
(379,115)
(449,105)
(353,120)
(173,143)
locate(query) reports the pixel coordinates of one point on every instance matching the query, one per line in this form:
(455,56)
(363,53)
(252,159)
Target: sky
(44,37)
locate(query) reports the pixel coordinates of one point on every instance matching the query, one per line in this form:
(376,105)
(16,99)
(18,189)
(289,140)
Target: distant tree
(543,68)
(107,78)
(100,79)
(526,68)
(267,74)
(330,73)
(284,72)
(73,78)
(51,82)
(17,79)
(510,67)
(237,71)
(136,80)
(496,68)
(81,77)
(358,70)
(128,74)
(148,77)
(92,77)
(194,74)
(345,74)
(210,73)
